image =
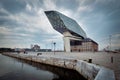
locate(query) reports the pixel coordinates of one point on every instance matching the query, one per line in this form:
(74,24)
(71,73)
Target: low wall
(89,71)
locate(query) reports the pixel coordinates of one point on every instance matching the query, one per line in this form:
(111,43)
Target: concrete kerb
(105,74)
(88,70)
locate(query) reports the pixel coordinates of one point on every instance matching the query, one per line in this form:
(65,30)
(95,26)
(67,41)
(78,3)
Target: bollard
(39,54)
(90,61)
(112,59)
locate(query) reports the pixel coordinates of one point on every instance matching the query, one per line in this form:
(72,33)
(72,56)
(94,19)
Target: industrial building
(35,47)
(75,39)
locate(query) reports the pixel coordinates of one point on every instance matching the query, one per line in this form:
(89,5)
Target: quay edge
(87,70)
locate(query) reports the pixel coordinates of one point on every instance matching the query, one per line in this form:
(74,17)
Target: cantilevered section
(74,36)
(62,24)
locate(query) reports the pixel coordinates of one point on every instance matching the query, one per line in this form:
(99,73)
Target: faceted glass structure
(62,24)
(74,37)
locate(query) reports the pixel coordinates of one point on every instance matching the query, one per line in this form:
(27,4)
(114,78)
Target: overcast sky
(23,22)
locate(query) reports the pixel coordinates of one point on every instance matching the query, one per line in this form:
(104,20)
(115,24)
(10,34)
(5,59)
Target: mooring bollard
(112,59)
(90,60)
(39,54)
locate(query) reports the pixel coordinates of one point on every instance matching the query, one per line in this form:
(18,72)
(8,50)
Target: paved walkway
(109,60)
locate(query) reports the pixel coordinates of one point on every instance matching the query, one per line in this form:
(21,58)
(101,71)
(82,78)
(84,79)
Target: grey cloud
(13,6)
(7,21)
(86,2)
(107,6)
(17,6)
(103,16)
(99,17)
(68,4)
(3,13)
(35,3)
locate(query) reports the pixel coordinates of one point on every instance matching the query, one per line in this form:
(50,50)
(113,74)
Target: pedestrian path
(109,60)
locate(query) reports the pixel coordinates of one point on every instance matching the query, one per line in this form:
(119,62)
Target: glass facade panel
(75,42)
(63,23)
(72,25)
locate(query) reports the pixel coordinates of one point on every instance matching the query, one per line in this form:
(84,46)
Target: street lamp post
(110,43)
(54,46)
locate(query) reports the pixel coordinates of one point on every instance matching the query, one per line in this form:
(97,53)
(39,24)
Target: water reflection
(26,70)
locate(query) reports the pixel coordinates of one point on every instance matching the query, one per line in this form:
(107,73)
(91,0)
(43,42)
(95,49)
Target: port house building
(75,39)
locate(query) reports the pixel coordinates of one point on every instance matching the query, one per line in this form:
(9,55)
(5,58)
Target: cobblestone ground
(109,60)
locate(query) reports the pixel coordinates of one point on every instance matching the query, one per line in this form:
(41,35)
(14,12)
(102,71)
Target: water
(14,69)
